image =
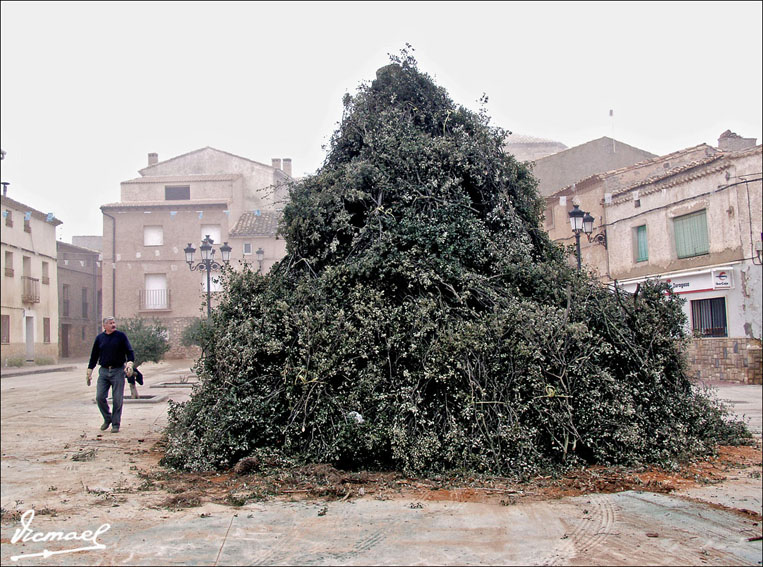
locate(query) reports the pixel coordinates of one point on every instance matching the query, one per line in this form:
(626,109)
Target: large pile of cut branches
(423,321)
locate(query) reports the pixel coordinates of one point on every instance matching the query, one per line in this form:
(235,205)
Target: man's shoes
(115,429)
(105,425)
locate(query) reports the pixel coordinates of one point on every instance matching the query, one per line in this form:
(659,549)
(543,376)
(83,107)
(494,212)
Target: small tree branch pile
(423,321)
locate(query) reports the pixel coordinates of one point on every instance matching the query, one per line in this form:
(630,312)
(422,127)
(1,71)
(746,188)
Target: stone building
(79,299)
(561,169)
(530,148)
(591,193)
(256,235)
(29,296)
(93,242)
(691,218)
(177,202)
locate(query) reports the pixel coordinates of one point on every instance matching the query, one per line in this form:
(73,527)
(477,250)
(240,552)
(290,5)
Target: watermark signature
(25,533)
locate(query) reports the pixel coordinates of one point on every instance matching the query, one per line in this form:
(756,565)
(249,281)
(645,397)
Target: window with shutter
(642,249)
(153,236)
(691,234)
(6,332)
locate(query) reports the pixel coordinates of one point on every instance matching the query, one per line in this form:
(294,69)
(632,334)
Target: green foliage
(147,337)
(422,320)
(195,333)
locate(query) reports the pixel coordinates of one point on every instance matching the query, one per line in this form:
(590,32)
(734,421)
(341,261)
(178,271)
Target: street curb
(41,370)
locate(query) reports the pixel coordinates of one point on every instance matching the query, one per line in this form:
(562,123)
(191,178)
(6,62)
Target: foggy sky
(89,89)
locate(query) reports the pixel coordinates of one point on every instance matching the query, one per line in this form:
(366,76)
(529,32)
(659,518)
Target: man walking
(111,349)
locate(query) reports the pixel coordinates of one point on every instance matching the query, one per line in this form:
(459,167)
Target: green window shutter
(691,234)
(642,250)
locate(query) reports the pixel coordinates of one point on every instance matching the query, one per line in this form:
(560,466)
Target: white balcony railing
(154,299)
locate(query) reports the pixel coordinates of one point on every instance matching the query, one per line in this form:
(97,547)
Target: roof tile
(257,223)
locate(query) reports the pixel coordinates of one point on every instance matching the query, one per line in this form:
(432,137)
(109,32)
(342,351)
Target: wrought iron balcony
(30,292)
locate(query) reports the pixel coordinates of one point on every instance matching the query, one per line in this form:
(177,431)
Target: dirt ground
(56,461)
(323,482)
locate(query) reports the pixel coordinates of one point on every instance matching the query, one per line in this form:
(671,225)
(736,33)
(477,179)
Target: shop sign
(723,279)
(717,279)
(690,284)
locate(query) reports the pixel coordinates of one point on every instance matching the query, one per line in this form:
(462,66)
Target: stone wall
(726,360)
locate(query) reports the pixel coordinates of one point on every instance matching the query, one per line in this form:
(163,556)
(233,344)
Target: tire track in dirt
(288,540)
(596,523)
(352,543)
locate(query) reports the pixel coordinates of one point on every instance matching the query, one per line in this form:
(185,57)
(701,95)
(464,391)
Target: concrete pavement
(50,420)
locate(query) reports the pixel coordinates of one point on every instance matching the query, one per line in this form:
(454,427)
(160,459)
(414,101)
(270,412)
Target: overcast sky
(89,89)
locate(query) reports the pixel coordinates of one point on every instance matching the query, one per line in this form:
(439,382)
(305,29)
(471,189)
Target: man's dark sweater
(111,350)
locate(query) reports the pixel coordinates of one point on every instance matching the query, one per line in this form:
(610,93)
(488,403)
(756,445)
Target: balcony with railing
(30,290)
(154,299)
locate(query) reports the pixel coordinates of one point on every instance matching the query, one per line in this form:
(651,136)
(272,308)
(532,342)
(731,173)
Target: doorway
(30,339)
(65,330)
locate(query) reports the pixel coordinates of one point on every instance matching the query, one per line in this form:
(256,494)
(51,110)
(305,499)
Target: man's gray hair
(107,319)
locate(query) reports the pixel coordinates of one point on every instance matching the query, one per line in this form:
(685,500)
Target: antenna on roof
(612,120)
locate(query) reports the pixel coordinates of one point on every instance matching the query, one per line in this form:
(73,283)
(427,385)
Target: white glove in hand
(89,375)
(128,369)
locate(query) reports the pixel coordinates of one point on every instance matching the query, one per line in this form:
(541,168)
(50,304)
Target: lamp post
(583,222)
(577,222)
(208,262)
(260,257)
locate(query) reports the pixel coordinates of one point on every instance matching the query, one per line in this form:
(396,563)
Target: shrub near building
(147,337)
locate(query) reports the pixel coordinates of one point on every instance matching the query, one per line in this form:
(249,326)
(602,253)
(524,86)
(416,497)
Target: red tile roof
(257,223)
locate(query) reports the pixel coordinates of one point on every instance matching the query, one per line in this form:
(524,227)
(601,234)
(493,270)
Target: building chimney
(153,159)
(287,166)
(730,142)
(276,163)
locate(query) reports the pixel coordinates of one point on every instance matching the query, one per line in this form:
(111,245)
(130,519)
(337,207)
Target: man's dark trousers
(113,378)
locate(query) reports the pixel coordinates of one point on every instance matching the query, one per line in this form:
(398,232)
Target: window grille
(708,317)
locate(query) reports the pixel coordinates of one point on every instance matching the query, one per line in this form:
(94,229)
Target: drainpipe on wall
(113,262)
(96,316)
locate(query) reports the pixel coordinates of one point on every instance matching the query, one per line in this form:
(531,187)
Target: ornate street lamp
(208,262)
(600,238)
(577,223)
(260,257)
(588,225)
(583,222)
